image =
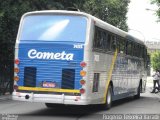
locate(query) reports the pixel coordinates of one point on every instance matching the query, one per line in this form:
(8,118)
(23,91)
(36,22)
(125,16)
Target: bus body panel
(52,61)
(125,77)
(127,74)
(49,60)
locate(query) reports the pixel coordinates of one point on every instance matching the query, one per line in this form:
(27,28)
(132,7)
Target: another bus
(73,58)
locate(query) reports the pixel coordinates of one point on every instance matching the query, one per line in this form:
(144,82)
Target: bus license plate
(49,84)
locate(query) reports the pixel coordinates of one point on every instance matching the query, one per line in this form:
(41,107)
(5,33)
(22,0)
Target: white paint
(96,58)
(78,46)
(34,54)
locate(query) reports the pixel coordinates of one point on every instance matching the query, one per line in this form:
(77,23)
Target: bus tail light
(16,61)
(16,70)
(15,87)
(83,73)
(16,78)
(82,91)
(83,64)
(82,82)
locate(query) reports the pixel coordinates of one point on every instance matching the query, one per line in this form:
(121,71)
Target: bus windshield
(54,28)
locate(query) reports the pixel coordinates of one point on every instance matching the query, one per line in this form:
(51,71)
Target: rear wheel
(108,103)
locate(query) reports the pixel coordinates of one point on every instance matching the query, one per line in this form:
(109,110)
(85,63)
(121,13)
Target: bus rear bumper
(50,98)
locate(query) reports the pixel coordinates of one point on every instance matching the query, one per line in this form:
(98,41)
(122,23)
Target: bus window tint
(97,38)
(109,42)
(104,36)
(135,49)
(54,28)
(142,52)
(139,50)
(121,45)
(129,48)
(100,39)
(113,42)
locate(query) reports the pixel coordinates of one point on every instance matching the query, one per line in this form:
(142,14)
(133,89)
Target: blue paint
(63,54)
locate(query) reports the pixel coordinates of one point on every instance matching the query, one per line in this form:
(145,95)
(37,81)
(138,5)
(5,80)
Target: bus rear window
(54,28)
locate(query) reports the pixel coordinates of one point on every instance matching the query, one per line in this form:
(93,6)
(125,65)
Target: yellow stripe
(48,89)
(110,74)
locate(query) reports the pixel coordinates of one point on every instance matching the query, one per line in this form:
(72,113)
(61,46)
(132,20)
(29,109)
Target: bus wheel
(137,96)
(108,103)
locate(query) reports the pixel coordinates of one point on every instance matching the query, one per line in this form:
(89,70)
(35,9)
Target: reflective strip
(110,74)
(48,89)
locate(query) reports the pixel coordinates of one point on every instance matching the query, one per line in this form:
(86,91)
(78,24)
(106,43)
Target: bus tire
(108,100)
(137,96)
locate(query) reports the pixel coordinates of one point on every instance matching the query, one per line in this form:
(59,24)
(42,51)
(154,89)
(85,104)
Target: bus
(73,58)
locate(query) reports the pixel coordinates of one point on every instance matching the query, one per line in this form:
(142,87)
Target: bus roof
(98,22)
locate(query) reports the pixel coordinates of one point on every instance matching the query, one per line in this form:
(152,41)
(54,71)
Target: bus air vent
(30,76)
(68,78)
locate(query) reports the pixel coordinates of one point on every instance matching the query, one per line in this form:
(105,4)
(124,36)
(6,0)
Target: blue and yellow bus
(73,58)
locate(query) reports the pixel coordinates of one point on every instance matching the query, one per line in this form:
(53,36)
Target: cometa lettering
(34,54)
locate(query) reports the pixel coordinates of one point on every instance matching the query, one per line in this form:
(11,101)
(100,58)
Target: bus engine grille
(68,78)
(30,76)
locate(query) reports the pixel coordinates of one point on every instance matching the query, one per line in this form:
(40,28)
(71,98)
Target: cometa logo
(34,54)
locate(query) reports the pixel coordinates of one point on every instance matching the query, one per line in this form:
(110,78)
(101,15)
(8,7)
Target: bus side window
(129,48)
(104,35)
(118,44)
(134,49)
(145,57)
(141,51)
(100,39)
(138,51)
(121,45)
(144,53)
(148,61)
(113,43)
(96,43)
(95,38)
(109,42)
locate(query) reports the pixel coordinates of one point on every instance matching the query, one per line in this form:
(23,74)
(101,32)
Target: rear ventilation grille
(68,78)
(30,76)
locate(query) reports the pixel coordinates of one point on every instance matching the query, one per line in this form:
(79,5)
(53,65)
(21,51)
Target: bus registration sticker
(49,84)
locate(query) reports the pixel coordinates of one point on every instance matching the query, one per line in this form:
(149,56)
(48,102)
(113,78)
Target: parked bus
(73,58)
